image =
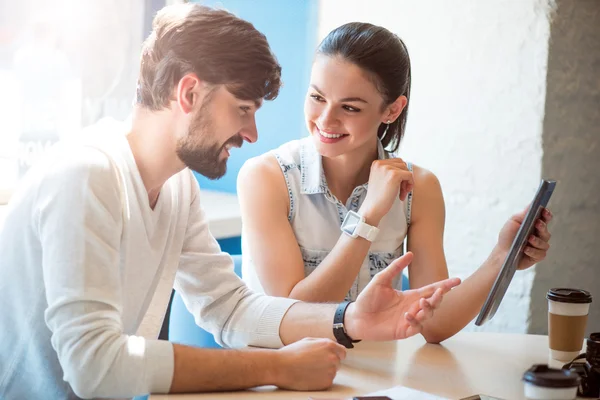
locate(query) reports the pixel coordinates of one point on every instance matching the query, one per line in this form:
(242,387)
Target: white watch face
(351,223)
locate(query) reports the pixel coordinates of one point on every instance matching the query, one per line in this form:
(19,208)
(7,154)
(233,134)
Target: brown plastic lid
(566,295)
(544,376)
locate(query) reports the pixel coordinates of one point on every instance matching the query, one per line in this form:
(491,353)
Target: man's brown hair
(217,46)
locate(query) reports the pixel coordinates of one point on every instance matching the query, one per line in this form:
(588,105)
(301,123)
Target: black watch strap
(339,332)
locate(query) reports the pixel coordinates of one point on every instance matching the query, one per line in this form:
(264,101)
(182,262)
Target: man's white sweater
(81,254)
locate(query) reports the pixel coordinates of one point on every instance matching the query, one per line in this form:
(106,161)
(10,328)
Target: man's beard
(195,152)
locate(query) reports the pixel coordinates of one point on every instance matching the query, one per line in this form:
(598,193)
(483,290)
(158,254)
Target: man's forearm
(307,320)
(211,370)
(464,302)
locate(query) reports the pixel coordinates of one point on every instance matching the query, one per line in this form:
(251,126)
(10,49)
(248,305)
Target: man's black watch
(339,332)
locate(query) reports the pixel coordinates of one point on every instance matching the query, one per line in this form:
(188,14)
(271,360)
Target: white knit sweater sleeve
(79,222)
(217,298)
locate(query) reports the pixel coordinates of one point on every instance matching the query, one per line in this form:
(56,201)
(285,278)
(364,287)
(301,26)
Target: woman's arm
(425,240)
(273,247)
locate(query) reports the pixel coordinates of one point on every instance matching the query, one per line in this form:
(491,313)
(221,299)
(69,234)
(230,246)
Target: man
(93,226)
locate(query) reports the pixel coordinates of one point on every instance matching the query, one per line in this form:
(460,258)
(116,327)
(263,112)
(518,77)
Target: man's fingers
(338,365)
(421,303)
(426,311)
(411,319)
(339,350)
(414,325)
(445,285)
(386,276)
(415,307)
(423,308)
(448,284)
(435,300)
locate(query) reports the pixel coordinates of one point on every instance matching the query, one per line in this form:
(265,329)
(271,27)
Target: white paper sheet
(404,393)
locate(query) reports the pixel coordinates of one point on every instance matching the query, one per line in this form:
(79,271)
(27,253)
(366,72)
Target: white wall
(476,113)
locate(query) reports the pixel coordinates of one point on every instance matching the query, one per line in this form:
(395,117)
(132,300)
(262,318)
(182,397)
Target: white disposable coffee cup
(544,383)
(566,336)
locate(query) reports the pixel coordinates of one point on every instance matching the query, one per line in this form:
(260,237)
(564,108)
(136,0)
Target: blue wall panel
(291,29)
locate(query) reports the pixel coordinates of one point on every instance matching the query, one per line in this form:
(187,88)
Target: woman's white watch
(354,225)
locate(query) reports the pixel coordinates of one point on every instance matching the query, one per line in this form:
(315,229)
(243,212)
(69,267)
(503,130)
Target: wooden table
(467,364)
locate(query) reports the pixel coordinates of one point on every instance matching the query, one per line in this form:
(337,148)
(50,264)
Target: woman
(296,198)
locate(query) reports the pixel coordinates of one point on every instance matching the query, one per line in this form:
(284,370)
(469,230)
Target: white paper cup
(567,318)
(533,392)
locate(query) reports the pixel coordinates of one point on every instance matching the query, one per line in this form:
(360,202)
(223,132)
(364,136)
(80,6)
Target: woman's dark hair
(384,56)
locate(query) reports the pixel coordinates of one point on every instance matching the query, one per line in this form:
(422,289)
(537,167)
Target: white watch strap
(367,231)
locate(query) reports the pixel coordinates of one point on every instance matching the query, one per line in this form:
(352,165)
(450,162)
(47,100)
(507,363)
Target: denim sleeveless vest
(316,217)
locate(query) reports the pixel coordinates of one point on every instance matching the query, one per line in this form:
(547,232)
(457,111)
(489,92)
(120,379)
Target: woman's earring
(388,122)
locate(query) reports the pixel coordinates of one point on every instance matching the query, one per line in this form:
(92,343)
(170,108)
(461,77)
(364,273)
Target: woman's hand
(537,244)
(388,180)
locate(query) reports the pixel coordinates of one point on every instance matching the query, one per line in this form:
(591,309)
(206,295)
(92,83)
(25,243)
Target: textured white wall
(476,113)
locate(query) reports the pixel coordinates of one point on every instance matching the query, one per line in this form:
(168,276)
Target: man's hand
(309,364)
(383,313)
(537,244)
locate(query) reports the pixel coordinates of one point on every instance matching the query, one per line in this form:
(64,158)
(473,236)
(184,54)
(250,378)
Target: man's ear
(394,110)
(188,92)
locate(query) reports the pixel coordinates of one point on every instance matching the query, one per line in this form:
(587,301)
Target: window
(64,64)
